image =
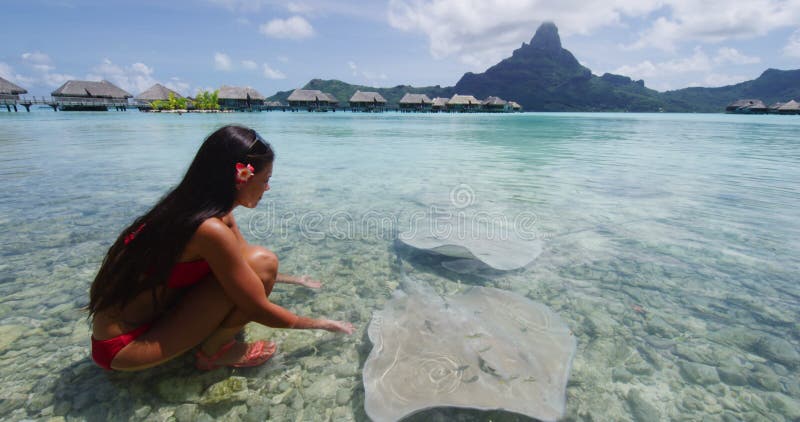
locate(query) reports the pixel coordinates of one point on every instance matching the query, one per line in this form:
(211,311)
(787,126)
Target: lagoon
(670,245)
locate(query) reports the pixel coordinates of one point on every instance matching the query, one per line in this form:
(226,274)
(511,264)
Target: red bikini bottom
(103,351)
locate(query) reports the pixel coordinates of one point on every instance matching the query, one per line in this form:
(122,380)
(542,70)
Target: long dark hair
(143,255)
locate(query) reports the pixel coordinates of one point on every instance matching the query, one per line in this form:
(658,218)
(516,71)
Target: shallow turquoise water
(670,248)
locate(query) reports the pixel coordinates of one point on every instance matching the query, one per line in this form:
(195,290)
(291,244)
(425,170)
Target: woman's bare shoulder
(212,229)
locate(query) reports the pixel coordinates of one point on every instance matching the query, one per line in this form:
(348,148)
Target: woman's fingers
(307,281)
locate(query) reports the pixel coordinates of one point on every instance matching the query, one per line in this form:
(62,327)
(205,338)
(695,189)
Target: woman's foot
(237,355)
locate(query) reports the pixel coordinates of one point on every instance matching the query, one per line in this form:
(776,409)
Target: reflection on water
(669,247)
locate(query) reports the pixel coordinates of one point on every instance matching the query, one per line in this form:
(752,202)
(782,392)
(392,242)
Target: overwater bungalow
(463,103)
(747,106)
(157,92)
(495,105)
(515,106)
(367,101)
(240,98)
(90,96)
(275,105)
(415,102)
(774,107)
(792,107)
(311,100)
(333,102)
(9,94)
(439,104)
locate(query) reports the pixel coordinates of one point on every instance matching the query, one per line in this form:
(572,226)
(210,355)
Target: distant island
(543,76)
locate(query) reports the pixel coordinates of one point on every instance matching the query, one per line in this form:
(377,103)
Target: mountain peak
(546,37)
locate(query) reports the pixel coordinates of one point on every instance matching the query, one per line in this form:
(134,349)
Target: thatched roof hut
(307,96)
(312,98)
(494,101)
(227,92)
(439,103)
(457,100)
(367,97)
(463,103)
(415,99)
(10,91)
(157,92)
(415,102)
(746,106)
(331,99)
(239,97)
(367,101)
(792,107)
(495,104)
(515,106)
(91,89)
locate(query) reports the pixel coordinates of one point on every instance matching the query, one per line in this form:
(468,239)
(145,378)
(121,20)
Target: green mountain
(771,87)
(543,76)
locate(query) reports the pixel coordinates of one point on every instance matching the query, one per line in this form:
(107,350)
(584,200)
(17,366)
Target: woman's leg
(203,315)
(265,264)
(192,319)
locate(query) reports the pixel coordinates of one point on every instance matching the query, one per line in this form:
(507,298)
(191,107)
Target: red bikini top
(183,274)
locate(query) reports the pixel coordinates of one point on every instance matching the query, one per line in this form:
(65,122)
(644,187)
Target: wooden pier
(60,103)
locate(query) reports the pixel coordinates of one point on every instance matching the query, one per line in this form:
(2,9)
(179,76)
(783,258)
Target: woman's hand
(303,280)
(338,326)
(307,281)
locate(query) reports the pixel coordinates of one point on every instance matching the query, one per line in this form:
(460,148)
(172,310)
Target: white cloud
(134,78)
(716,21)
(222,62)
(43,71)
(481,32)
(177,84)
(271,73)
(6,72)
(295,27)
(697,62)
(283,59)
(249,65)
(792,47)
(36,58)
(295,7)
(241,6)
(718,79)
(666,73)
(366,74)
(727,55)
(56,79)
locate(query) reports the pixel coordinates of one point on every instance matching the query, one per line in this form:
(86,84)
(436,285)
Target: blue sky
(280,45)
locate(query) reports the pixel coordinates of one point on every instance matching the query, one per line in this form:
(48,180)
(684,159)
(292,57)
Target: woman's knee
(264,262)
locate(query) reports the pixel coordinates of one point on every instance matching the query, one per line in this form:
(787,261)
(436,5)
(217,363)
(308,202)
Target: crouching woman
(182,276)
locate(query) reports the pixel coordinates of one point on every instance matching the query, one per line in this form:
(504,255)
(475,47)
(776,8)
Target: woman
(182,275)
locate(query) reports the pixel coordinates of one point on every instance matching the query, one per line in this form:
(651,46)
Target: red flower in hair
(243,173)
(129,238)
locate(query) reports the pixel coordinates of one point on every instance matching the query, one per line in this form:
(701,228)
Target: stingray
(499,247)
(484,349)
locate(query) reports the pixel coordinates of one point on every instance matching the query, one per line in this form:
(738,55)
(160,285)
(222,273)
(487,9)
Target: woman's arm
(303,280)
(219,246)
